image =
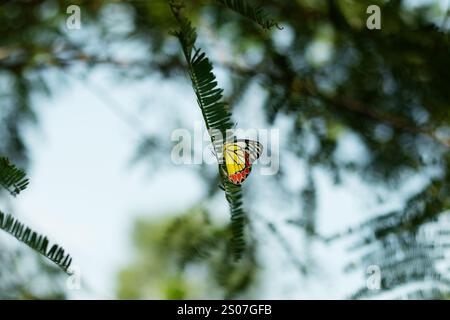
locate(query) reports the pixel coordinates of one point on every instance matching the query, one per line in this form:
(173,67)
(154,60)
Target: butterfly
(238,157)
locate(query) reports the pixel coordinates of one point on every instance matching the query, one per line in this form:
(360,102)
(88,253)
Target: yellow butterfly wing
(239,157)
(234,157)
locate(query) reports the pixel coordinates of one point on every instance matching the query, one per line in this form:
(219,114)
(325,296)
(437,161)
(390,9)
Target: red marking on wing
(239,177)
(247,159)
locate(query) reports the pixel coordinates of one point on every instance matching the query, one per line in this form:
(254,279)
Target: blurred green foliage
(327,72)
(185,257)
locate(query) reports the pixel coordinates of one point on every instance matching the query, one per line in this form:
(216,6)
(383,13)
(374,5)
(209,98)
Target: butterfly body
(238,157)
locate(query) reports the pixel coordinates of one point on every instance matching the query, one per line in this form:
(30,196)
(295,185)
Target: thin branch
(345,103)
(284,243)
(342,103)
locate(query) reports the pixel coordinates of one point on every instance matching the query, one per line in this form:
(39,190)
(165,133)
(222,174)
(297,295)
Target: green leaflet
(12,178)
(14,181)
(35,241)
(216,115)
(254,13)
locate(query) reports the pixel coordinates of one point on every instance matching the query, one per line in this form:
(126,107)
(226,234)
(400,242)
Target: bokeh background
(362,193)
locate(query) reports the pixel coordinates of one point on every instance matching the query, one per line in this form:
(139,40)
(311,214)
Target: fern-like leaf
(254,13)
(409,246)
(35,241)
(216,115)
(11,178)
(233,194)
